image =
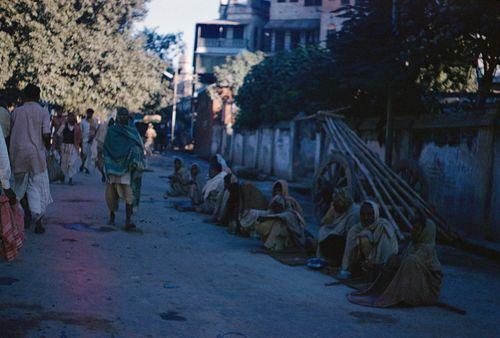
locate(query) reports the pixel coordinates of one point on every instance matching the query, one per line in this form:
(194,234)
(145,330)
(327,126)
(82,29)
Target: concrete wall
(282,156)
(495,199)
(266,149)
(460,161)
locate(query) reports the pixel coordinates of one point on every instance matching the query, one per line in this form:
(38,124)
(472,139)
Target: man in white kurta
(30,139)
(89,128)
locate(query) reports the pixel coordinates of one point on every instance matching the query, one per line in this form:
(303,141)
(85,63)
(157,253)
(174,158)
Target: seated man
(340,218)
(210,192)
(179,180)
(281,227)
(196,185)
(416,280)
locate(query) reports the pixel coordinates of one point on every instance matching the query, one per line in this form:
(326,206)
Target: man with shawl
(280,227)
(71,140)
(179,180)
(239,198)
(29,142)
(370,244)
(212,189)
(124,163)
(340,218)
(98,147)
(417,280)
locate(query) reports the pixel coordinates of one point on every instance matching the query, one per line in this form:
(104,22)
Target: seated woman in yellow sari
(281,227)
(369,244)
(415,281)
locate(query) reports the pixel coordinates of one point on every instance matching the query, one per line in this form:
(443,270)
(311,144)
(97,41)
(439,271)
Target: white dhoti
(70,160)
(37,189)
(87,155)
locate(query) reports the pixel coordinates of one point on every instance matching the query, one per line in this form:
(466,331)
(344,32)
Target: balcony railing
(223,43)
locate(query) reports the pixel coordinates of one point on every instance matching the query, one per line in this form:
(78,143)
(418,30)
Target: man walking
(89,129)
(124,163)
(30,139)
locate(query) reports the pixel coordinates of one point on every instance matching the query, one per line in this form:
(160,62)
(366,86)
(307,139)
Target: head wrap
(376,210)
(343,196)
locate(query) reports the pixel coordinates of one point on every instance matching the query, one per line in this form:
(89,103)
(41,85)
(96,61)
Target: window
(213,32)
(313,2)
(312,37)
(281,0)
(238,32)
(280,41)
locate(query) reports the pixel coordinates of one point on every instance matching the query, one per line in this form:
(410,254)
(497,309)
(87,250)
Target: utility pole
(174,107)
(389,127)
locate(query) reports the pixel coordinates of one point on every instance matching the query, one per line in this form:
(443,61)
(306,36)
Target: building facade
(239,27)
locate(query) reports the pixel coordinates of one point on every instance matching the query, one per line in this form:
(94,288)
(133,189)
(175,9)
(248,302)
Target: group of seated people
(353,237)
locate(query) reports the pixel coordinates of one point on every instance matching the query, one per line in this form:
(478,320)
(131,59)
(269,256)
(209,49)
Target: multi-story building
(301,22)
(293,23)
(239,27)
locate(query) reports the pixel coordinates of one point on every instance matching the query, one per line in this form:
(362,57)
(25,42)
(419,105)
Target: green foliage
(232,74)
(81,53)
(285,84)
(165,46)
(449,38)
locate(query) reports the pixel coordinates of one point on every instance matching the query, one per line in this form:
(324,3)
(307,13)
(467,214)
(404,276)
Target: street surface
(186,278)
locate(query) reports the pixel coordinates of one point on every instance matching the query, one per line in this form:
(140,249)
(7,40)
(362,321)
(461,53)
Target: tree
(285,84)
(232,74)
(453,37)
(166,46)
(82,53)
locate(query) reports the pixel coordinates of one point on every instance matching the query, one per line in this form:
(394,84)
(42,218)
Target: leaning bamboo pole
(406,191)
(368,177)
(385,186)
(394,195)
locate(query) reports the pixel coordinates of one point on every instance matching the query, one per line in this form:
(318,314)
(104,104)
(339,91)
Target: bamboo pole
(370,182)
(403,188)
(378,178)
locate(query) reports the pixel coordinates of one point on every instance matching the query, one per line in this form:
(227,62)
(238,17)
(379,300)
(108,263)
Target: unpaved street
(185,278)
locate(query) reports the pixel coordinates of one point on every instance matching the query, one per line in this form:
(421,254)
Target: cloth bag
(12,229)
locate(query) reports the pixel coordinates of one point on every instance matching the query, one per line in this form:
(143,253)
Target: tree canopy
(285,84)
(81,53)
(232,74)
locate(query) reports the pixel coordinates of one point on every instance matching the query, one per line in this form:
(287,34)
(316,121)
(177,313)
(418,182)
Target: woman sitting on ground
(179,181)
(416,280)
(340,218)
(280,227)
(369,244)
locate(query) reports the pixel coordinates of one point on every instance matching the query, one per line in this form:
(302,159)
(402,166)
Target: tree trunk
(486,83)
